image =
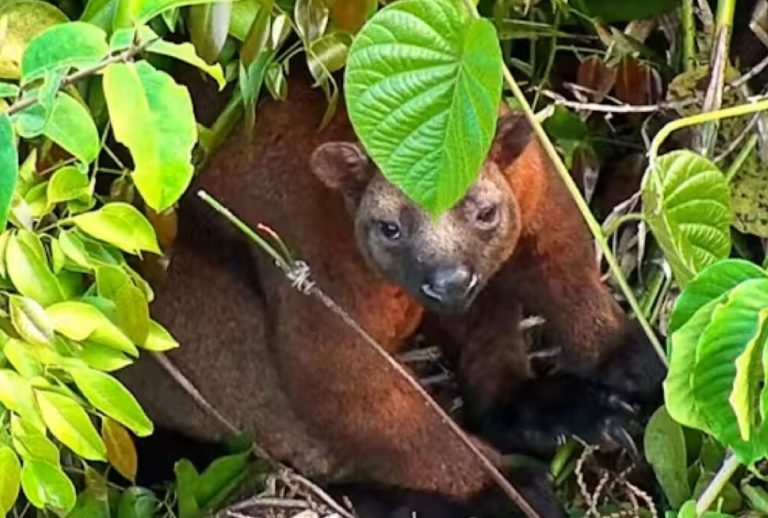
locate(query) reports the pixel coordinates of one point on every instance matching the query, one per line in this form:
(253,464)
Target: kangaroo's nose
(450,285)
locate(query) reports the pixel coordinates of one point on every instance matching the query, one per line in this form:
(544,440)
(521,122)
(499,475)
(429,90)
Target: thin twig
(121,57)
(288,476)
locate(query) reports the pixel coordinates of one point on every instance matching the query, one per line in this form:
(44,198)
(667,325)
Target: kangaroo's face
(441,262)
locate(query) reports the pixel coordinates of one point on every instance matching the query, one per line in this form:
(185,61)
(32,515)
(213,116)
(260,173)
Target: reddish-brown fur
(276,362)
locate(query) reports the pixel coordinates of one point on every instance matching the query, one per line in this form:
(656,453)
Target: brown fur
(276,362)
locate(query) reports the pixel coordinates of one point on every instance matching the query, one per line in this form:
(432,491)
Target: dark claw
(615,435)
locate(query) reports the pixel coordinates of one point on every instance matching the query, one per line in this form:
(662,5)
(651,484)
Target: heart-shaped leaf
(423,86)
(687,205)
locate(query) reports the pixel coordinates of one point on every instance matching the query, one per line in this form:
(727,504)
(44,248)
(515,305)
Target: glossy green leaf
(137,502)
(29,271)
(749,378)
(208,28)
(430,125)
(29,320)
(100,13)
(64,46)
(220,479)
(21,356)
(46,485)
(119,224)
(328,54)
(9,90)
(159,339)
(686,203)
(74,248)
(80,321)
(9,167)
(153,117)
(71,127)
(110,397)
(132,313)
(711,283)
(311,17)
(732,326)
(181,51)
(10,481)
(25,19)
(145,10)
(32,443)
(68,183)
(679,397)
(664,446)
(186,479)
(69,423)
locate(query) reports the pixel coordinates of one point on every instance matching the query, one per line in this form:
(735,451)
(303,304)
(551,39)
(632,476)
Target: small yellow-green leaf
(16,395)
(121,225)
(61,47)
(110,397)
(79,321)
(132,313)
(32,443)
(74,248)
(153,117)
(20,22)
(19,355)
(10,480)
(121,452)
(69,423)
(29,320)
(102,357)
(68,183)
(29,272)
(9,167)
(110,279)
(46,485)
(159,339)
(71,127)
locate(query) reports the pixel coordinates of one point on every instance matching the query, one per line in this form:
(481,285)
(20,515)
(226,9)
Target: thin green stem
(726,10)
(614,225)
(715,487)
(245,229)
(689,35)
(701,118)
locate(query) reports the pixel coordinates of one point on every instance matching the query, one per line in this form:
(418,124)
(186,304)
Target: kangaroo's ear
(343,166)
(513,134)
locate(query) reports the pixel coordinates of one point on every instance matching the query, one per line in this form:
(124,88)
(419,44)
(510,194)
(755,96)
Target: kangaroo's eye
(389,230)
(488,215)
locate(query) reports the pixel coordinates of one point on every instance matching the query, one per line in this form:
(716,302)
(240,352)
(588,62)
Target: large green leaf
(664,446)
(679,394)
(71,127)
(732,327)
(32,443)
(46,485)
(423,86)
(69,423)
(711,283)
(153,117)
(110,397)
(62,47)
(16,395)
(686,203)
(26,19)
(208,28)
(9,167)
(68,183)
(10,480)
(749,379)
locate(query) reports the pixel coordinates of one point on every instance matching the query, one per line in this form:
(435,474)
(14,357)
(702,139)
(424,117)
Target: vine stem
(586,213)
(724,474)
